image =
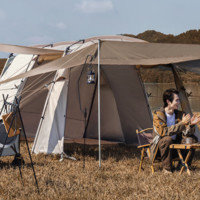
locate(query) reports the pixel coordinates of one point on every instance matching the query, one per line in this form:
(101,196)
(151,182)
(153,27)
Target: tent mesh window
(156,80)
(191,82)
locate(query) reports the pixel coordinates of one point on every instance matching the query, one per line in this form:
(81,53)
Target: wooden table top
(185,146)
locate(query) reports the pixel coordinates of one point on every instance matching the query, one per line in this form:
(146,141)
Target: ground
(118,177)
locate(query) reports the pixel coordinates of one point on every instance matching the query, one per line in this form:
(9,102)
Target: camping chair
(11,126)
(145,137)
(10,135)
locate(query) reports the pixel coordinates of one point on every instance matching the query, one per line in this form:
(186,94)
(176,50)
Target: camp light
(89,70)
(90,75)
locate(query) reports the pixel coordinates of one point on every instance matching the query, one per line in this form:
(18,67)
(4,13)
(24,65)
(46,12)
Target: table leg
(181,158)
(184,162)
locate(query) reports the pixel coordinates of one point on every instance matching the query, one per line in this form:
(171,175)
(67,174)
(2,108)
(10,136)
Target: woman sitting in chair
(171,126)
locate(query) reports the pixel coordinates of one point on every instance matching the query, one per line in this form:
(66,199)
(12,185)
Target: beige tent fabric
(34,95)
(62,74)
(123,107)
(122,98)
(27,50)
(122,53)
(96,38)
(126,53)
(68,61)
(114,38)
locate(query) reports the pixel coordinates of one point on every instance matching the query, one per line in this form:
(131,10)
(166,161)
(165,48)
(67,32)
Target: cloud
(95,6)
(59,25)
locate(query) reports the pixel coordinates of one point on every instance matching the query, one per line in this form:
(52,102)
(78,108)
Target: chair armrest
(143,146)
(146,129)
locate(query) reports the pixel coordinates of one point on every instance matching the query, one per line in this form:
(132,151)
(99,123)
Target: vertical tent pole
(99,110)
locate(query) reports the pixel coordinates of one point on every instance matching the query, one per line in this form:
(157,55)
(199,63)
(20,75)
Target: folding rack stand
(16,113)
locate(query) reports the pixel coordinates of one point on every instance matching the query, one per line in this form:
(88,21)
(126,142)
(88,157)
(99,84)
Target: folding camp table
(178,147)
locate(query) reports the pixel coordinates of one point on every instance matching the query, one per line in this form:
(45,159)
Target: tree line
(188,37)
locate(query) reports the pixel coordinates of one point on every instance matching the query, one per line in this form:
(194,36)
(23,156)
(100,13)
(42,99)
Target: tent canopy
(121,53)
(124,53)
(27,50)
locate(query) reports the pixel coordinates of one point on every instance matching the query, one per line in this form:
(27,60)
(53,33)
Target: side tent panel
(16,65)
(80,96)
(34,94)
(111,129)
(124,107)
(50,133)
(130,97)
(50,136)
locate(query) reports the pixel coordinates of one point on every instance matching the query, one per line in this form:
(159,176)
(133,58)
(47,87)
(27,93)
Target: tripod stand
(14,126)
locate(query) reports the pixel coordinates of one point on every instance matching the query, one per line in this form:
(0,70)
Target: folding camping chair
(10,134)
(10,128)
(9,146)
(145,137)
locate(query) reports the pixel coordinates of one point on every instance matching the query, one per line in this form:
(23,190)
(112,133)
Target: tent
(59,106)
(44,97)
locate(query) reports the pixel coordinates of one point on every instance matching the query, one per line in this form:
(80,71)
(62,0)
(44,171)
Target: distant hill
(188,37)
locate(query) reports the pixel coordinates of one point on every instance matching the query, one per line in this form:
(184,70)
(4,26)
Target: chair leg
(142,158)
(149,152)
(152,168)
(173,163)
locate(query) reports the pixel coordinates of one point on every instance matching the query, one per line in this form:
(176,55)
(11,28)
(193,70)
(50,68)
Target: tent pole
(99,114)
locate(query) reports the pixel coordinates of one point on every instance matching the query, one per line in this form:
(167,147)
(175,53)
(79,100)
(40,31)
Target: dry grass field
(118,177)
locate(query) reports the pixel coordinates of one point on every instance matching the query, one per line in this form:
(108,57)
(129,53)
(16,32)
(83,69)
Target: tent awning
(68,61)
(126,53)
(27,50)
(122,53)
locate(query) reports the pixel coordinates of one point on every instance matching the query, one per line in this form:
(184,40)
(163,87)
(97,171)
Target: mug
(188,140)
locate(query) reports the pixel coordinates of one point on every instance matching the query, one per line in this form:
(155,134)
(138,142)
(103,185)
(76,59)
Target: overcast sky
(28,22)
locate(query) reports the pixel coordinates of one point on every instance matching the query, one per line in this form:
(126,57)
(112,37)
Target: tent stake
(64,155)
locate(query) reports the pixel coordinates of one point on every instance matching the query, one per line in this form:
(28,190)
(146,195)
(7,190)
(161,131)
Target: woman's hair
(169,95)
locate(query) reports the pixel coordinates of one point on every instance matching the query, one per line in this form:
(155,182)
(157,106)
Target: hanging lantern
(90,75)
